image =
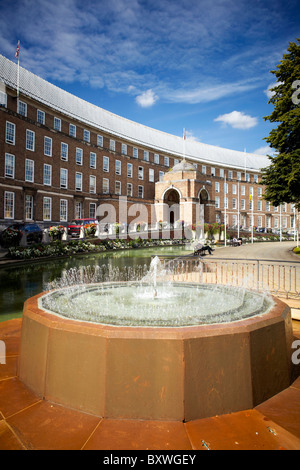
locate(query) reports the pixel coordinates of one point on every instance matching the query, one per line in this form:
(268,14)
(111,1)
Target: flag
(17,51)
(250,197)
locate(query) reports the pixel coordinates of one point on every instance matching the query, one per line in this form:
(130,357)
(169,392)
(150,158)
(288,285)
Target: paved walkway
(282,251)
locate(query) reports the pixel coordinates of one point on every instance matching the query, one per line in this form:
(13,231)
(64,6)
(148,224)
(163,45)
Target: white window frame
(105,185)
(129,170)
(118,167)
(112,145)
(63,210)
(93,184)
(64,178)
(124,149)
(156,158)
(40,116)
(93,160)
(64,151)
(9,205)
(30,140)
(3,99)
(118,188)
(10,133)
(135,152)
(166,161)
(106,164)
(92,212)
(47,209)
(57,124)
(140,173)
(146,155)
(141,191)
(47,174)
(79,156)
(86,135)
(78,181)
(72,130)
(129,189)
(29,170)
(151,175)
(28,207)
(100,140)
(22,108)
(48,146)
(10,164)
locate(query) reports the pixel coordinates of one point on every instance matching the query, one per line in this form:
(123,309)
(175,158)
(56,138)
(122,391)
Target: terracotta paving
(28,422)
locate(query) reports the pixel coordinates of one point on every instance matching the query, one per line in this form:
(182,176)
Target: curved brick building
(63,158)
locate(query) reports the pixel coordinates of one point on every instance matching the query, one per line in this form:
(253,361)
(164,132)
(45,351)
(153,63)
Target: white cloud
(146,99)
(268,91)
(238,120)
(265,150)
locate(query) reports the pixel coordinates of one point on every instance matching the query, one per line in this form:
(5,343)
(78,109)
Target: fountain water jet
(114,350)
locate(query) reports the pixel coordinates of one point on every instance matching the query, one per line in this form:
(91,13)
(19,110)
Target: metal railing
(276,277)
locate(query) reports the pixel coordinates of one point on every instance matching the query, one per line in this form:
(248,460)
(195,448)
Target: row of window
(9,208)
(234,189)
(9,172)
(242,204)
(10,138)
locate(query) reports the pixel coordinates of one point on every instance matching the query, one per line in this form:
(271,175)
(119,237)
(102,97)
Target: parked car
(76,224)
(12,235)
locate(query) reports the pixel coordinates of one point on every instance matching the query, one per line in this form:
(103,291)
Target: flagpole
(17,55)
(225,214)
(183,144)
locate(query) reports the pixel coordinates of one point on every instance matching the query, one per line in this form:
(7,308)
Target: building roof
(70,105)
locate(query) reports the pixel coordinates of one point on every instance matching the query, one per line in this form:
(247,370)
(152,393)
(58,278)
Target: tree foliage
(282,177)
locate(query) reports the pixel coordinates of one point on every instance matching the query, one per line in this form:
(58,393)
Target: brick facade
(39,187)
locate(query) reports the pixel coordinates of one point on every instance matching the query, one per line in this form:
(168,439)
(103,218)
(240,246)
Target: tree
(282,177)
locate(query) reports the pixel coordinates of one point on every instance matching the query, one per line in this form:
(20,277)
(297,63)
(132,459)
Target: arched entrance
(203,200)
(172,205)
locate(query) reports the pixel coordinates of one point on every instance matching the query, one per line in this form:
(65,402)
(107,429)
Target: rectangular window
(112,145)
(78,182)
(203,169)
(259,205)
(48,146)
(243,192)
(156,158)
(268,206)
(217,186)
(57,124)
(92,184)
(129,170)
(166,161)
(86,135)
(64,151)
(105,186)
(40,116)
(212,171)
(225,203)
(92,210)
(79,156)
(22,109)
(28,207)
(78,210)
(118,187)
(100,140)
(239,176)
(63,178)
(135,152)
(29,170)
(9,205)
(106,164)
(221,173)
(234,189)
(47,174)
(72,130)
(160,176)
(255,178)
(217,202)
(141,191)
(234,206)
(47,208)
(151,175)
(226,188)
(124,149)
(30,140)
(146,155)
(129,189)
(3,99)
(118,167)
(259,192)
(243,204)
(63,210)
(92,160)
(141,173)
(230,175)
(9,165)
(10,133)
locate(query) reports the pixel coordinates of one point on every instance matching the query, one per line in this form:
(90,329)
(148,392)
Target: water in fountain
(148,299)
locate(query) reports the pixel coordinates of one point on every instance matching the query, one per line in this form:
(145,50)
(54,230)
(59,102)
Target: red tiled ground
(27,422)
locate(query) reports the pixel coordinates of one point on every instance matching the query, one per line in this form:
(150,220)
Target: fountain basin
(161,373)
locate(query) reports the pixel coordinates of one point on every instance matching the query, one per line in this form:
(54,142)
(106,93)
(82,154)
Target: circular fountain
(155,349)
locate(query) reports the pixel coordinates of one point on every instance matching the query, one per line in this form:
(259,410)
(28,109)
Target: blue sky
(201,65)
